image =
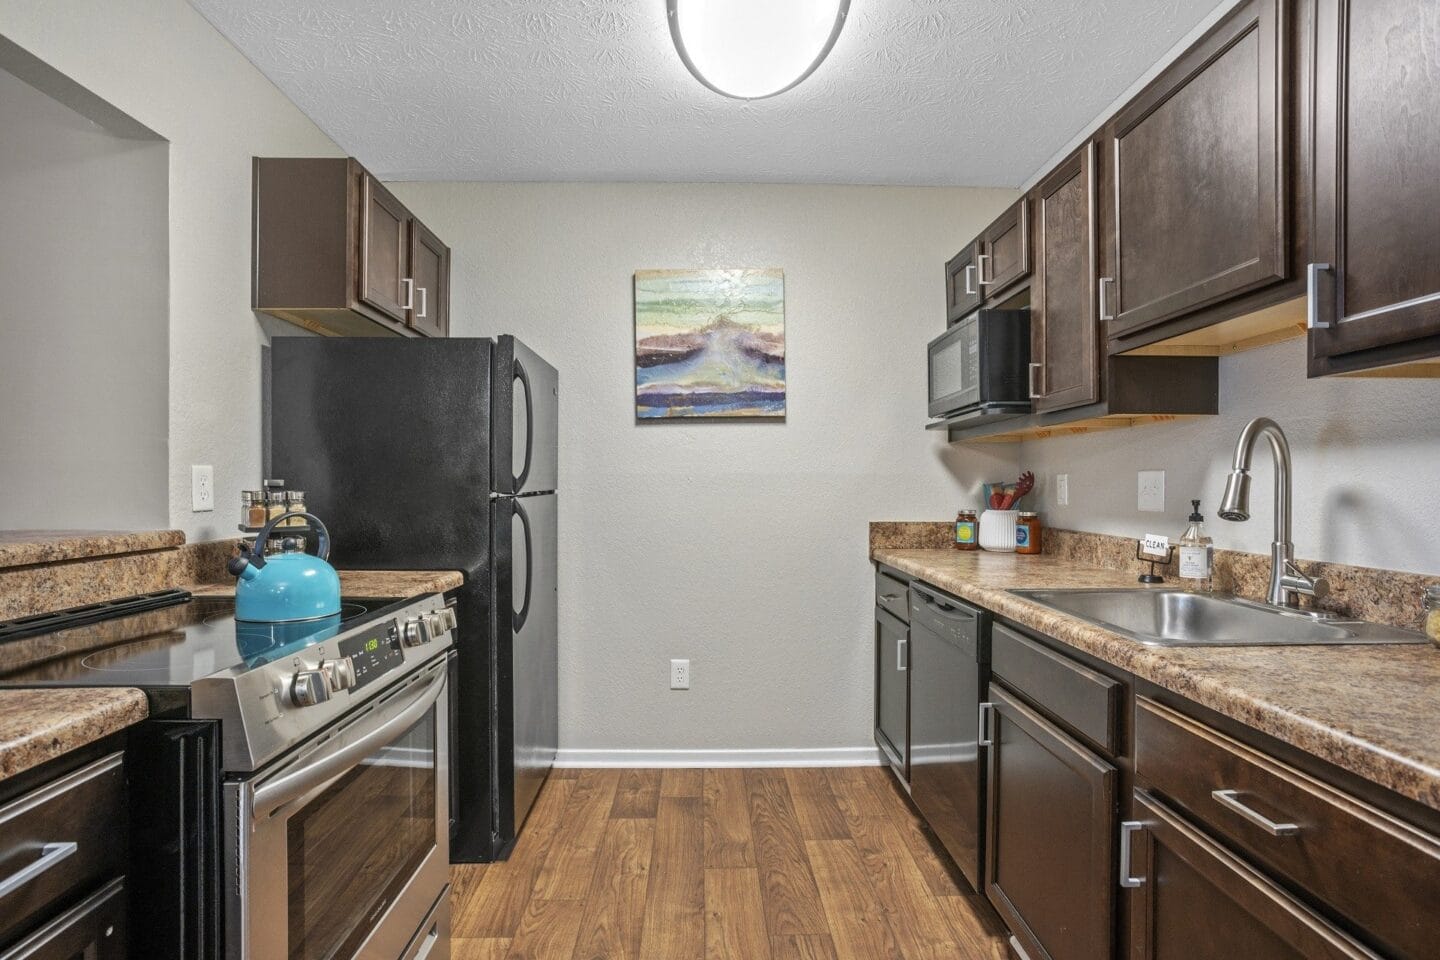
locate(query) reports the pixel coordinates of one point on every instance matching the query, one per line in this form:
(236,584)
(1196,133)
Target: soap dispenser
(1197,553)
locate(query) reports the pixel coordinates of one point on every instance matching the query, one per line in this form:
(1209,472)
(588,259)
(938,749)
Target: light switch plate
(1062,489)
(1151,497)
(202,488)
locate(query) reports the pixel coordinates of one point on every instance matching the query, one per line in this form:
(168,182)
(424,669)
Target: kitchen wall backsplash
(1367,593)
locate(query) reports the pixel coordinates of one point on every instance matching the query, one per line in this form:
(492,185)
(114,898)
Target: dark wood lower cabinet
(94,929)
(1196,900)
(892,690)
(1050,821)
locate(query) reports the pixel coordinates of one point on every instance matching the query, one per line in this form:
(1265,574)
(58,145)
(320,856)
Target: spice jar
(295,503)
(967,528)
(1027,533)
(1432,613)
(274,504)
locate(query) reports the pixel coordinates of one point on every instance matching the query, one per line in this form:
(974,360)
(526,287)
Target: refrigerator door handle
(524,379)
(523,613)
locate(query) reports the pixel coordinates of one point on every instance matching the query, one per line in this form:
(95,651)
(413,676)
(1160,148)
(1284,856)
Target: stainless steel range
(308,761)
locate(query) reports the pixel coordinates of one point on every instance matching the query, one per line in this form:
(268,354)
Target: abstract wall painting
(709,343)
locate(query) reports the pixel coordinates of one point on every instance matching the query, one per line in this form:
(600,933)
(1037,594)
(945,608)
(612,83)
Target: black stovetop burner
(162,646)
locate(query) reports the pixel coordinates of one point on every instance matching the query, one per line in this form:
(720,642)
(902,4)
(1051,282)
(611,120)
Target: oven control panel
(373,653)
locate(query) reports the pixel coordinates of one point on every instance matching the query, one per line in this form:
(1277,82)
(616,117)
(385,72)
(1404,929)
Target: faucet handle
(1296,581)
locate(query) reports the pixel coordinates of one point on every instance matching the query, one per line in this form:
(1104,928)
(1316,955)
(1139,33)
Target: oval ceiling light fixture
(752,49)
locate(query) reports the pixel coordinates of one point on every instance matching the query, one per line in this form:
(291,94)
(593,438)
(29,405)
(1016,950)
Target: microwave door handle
(339,759)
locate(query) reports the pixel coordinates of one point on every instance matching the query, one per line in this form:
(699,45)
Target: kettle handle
(322,542)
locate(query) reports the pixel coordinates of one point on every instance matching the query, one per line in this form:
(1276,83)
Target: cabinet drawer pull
(1035,393)
(424,299)
(980,261)
(408,287)
(984,737)
(1128,829)
(1312,299)
(902,655)
(1230,800)
(969,281)
(1105,313)
(50,855)
(1019,950)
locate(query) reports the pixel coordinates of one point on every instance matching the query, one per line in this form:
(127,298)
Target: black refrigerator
(441,454)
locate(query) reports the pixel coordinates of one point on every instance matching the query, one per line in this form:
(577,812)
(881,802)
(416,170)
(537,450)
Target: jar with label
(1432,613)
(1027,533)
(967,526)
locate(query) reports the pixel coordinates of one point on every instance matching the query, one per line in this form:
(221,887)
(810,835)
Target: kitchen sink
(1174,618)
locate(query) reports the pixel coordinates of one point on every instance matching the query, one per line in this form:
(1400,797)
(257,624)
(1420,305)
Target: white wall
(740,546)
(161,63)
(83,328)
(1366,466)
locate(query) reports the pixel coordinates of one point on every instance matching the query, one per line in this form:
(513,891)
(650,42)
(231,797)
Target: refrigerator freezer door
(527,630)
(389,438)
(526,420)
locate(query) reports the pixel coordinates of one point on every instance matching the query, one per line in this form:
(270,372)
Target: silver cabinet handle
(1312,299)
(1230,800)
(1035,393)
(424,299)
(969,280)
(1105,313)
(1019,950)
(980,260)
(50,855)
(902,655)
(1128,829)
(408,286)
(985,738)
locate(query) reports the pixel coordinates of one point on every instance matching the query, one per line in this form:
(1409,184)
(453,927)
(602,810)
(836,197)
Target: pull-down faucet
(1287,582)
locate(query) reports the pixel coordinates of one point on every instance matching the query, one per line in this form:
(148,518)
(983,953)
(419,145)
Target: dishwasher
(949,657)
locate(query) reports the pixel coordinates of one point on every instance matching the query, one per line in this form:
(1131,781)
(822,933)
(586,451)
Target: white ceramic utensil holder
(997,530)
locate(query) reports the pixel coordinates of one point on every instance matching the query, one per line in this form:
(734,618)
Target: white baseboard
(788,757)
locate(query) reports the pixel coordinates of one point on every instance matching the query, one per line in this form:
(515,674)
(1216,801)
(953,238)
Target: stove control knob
(310,687)
(417,631)
(340,673)
(447,618)
(435,624)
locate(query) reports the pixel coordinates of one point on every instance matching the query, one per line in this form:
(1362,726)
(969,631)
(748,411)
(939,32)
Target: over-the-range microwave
(978,369)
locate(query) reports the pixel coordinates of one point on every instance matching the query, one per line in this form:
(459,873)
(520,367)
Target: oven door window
(353,847)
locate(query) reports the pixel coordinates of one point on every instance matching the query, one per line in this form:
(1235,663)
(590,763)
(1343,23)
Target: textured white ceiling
(941,92)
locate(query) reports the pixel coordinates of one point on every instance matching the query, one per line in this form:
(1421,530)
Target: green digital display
(373,654)
(372,645)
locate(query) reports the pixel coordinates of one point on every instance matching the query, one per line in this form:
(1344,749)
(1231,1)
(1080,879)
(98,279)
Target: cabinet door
(1192,898)
(1050,833)
(1064,332)
(94,929)
(1005,251)
(430,268)
(892,689)
(385,281)
(1199,168)
(963,293)
(1377,175)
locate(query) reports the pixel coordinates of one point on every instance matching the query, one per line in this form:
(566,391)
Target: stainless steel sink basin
(1174,618)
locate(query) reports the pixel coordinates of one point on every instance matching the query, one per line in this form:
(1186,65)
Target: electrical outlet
(1151,497)
(679,674)
(202,488)
(1062,489)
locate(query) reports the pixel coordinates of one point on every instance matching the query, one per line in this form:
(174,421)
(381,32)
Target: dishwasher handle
(944,606)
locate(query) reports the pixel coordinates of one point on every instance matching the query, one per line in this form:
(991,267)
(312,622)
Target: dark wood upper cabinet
(1192,898)
(1050,830)
(1377,186)
(963,292)
(336,253)
(1004,256)
(1199,169)
(1065,339)
(430,269)
(385,282)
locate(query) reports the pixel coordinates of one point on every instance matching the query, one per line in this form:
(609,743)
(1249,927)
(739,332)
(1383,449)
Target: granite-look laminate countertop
(20,548)
(1371,710)
(365,583)
(40,725)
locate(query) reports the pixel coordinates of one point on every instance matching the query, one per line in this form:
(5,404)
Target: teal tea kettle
(289,586)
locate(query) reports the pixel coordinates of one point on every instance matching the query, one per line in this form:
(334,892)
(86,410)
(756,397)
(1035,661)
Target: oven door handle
(350,748)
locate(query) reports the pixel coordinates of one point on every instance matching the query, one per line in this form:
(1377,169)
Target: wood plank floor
(823,864)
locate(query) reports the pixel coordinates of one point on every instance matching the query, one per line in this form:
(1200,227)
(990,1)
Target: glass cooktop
(170,646)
